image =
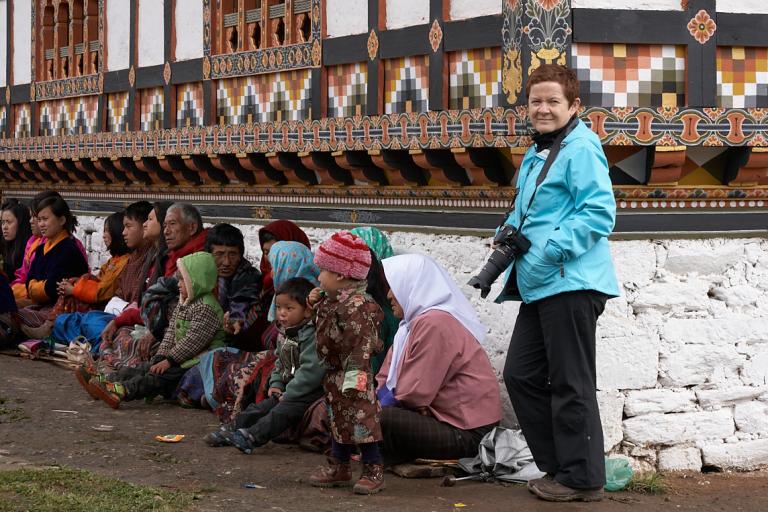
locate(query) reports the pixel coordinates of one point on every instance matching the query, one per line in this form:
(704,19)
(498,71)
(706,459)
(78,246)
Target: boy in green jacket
(195,326)
(296,382)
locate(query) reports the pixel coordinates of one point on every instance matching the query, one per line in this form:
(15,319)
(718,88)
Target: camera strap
(553,152)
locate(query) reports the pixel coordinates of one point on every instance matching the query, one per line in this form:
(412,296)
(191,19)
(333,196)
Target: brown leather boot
(371,481)
(335,474)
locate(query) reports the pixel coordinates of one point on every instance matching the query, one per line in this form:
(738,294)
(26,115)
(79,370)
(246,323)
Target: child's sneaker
(335,474)
(221,437)
(371,481)
(110,392)
(242,440)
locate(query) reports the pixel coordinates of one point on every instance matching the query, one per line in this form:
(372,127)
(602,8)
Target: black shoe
(242,440)
(218,438)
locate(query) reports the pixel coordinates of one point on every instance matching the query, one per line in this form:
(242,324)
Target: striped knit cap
(345,254)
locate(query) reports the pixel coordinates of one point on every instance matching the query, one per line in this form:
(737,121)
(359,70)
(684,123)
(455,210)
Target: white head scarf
(419,284)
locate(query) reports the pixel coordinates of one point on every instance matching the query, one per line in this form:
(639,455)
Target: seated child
(348,322)
(196,325)
(296,381)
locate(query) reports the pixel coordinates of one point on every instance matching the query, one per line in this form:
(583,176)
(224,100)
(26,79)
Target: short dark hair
(60,208)
(40,197)
(114,226)
(296,288)
(566,77)
(225,234)
(138,211)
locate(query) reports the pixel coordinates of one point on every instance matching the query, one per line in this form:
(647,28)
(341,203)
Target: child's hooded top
(297,371)
(197,322)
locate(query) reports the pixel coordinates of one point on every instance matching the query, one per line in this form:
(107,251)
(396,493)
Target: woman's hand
(109,331)
(66,288)
(161,367)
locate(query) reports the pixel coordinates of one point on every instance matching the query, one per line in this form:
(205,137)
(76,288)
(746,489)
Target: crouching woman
(437,388)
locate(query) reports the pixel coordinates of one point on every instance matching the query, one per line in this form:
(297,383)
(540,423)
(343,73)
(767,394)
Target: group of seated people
(347,345)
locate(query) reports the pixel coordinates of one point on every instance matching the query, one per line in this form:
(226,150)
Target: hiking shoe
(222,437)
(84,375)
(371,481)
(112,393)
(242,440)
(335,474)
(532,483)
(551,490)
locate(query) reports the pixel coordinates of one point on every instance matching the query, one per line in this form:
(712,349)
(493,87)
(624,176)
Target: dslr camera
(510,243)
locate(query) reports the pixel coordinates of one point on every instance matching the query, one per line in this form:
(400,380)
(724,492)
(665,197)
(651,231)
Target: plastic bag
(617,474)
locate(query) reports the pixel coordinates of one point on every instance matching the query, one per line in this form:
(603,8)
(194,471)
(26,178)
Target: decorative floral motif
(714,113)
(373,45)
(547,31)
(316,53)
(7,95)
(548,5)
(512,37)
(435,36)
(668,113)
(167,73)
(702,27)
(132,76)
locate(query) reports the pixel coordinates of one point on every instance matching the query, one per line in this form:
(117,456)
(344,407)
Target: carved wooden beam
(361,167)
(751,167)
(324,165)
(128,166)
(9,175)
(144,164)
(24,173)
(441,167)
(84,167)
(665,165)
(45,174)
(69,170)
(64,175)
(107,167)
(260,169)
(227,168)
(477,175)
(290,165)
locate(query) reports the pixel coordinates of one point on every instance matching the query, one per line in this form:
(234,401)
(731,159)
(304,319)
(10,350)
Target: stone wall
(682,354)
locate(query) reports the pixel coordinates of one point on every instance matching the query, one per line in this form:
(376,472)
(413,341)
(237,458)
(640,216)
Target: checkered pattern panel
(189,105)
(475,78)
(22,122)
(152,104)
(406,85)
(86,114)
(117,112)
(742,77)
(347,90)
(620,75)
(272,97)
(46,119)
(3,121)
(70,116)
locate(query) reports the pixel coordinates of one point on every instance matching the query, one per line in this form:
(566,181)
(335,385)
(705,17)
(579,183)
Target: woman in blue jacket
(563,280)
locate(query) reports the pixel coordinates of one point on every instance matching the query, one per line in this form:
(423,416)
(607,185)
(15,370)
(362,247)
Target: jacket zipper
(562,270)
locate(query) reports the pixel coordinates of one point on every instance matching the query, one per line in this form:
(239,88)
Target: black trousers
(551,378)
(271,417)
(409,435)
(139,383)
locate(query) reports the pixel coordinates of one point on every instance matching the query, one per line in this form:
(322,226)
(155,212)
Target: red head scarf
(283,231)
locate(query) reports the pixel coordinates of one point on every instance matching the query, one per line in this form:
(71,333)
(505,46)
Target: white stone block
(649,401)
(346,17)
(692,364)
(672,295)
(745,455)
(715,398)
(672,429)
(751,417)
(611,406)
(680,458)
(737,296)
(755,370)
(703,257)
(628,361)
(405,13)
(722,331)
(634,262)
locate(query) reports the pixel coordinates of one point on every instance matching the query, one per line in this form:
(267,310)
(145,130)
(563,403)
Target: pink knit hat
(345,254)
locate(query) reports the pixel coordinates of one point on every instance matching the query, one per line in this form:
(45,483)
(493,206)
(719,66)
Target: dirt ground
(56,422)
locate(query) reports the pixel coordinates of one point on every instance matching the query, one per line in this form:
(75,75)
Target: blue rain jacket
(568,224)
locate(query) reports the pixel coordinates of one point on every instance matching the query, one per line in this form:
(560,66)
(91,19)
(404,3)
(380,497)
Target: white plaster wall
(405,13)
(151,32)
(3,40)
(22,40)
(189,29)
(748,6)
(463,9)
(640,5)
(118,34)
(682,353)
(346,17)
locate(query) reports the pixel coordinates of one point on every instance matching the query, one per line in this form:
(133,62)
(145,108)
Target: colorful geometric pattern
(704,166)
(117,112)
(277,97)
(189,105)
(406,85)
(475,78)
(22,122)
(69,116)
(742,77)
(347,90)
(627,164)
(152,105)
(620,75)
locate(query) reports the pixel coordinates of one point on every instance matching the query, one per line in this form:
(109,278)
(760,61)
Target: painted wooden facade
(250,109)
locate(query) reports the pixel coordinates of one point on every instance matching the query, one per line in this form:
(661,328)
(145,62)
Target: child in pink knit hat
(347,336)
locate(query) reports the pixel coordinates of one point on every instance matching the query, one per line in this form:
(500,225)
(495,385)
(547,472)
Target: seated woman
(59,258)
(17,231)
(437,388)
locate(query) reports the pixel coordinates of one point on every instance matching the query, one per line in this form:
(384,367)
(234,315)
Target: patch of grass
(647,483)
(9,414)
(74,490)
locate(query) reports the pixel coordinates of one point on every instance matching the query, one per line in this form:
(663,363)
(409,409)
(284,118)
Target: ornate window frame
(243,56)
(83,51)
